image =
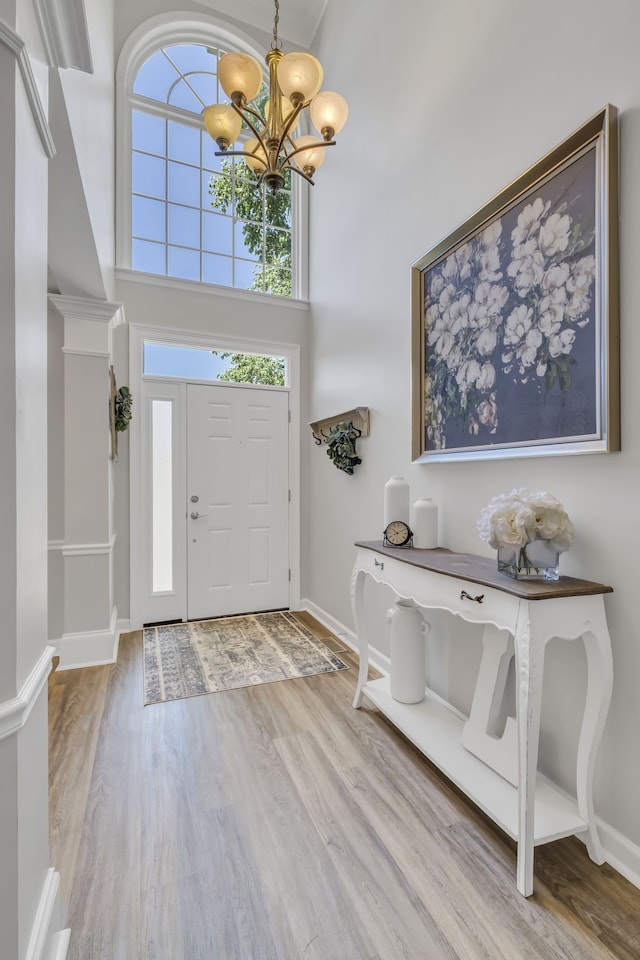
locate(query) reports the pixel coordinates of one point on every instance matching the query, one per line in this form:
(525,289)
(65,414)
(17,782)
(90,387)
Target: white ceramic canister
(408,653)
(424,524)
(396,501)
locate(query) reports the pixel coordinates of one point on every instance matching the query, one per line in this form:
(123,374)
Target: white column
(27,883)
(90,616)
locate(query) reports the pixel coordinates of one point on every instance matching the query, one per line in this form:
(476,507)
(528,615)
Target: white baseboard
(90,649)
(619,852)
(59,945)
(123,625)
(379,660)
(42,937)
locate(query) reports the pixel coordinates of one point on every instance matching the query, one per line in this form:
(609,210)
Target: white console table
(531,809)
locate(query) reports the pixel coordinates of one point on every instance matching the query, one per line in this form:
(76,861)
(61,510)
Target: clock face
(397,533)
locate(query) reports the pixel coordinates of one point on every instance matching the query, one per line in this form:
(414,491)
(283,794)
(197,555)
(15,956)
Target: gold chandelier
(294,82)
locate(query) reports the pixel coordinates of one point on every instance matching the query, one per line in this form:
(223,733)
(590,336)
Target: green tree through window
(249,368)
(266,223)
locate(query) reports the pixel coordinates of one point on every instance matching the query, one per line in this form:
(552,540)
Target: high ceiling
(298,18)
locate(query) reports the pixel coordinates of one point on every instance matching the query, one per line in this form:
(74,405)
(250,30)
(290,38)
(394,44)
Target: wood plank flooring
(278,823)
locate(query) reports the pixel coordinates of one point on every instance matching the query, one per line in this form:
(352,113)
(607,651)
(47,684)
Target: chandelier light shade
(222,124)
(294,82)
(240,74)
(299,76)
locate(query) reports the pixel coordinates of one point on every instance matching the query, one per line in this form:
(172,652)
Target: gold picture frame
(515,315)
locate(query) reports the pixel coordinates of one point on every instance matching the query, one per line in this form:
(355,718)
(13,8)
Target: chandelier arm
(233,153)
(289,123)
(301,173)
(246,113)
(320,143)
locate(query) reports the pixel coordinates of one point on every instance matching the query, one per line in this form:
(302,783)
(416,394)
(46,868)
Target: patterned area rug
(190,659)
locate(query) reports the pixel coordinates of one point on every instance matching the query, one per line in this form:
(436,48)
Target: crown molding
(16,44)
(64,32)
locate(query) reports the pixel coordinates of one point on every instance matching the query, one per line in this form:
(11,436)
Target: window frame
(163,31)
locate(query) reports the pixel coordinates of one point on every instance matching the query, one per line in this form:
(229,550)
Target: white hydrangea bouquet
(529,531)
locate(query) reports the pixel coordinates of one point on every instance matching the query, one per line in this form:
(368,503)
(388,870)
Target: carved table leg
(597,646)
(529,650)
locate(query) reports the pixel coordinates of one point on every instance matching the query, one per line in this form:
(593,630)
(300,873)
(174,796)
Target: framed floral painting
(515,344)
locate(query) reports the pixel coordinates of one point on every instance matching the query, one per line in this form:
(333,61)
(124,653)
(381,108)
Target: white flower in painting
(435,286)
(491,234)
(458,314)
(467,375)
(579,286)
(489,261)
(561,343)
(433,317)
(554,280)
(526,268)
(486,378)
(527,353)
(518,324)
(554,234)
(582,274)
(486,342)
(498,296)
(449,267)
(551,316)
(529,221)
(464,255)
(447,296)
(444,344)
(541,369)
(487,412)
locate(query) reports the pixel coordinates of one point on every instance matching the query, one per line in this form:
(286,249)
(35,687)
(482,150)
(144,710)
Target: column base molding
(91,648)
(45,944)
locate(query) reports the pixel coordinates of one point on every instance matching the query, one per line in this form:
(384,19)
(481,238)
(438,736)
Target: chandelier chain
(276,43)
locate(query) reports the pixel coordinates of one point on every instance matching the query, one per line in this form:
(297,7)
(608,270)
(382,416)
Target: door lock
(194,499)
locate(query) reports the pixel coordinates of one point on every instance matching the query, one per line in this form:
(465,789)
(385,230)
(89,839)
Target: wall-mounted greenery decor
(120,413)
(341,446)
(340,434)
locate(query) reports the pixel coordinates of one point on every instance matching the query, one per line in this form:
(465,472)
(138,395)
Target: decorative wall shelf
(359,417)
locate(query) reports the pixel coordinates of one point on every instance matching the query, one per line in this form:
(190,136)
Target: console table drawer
(472,601)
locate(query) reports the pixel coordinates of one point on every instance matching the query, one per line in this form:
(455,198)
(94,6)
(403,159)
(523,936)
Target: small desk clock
(398,534)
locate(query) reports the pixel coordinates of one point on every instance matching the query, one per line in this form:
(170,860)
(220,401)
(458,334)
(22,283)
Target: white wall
(89,103)
(457,100)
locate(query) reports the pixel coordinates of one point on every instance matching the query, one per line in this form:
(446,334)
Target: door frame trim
(137,335)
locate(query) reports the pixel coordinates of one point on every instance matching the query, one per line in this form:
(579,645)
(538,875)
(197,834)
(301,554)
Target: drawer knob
(464,595)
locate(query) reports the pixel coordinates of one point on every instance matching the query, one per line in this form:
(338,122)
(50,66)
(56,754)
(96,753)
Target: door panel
(238,527)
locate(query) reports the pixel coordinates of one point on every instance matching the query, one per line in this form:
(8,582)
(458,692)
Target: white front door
(237,500)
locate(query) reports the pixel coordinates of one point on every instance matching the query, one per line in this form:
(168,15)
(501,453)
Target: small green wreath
(122,403)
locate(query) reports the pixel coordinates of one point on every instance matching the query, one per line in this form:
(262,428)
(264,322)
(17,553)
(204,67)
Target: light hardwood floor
(278,823)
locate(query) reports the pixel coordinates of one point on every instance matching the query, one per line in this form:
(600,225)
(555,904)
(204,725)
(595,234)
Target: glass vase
(536,560)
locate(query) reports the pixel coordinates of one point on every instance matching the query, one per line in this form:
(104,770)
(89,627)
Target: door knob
(197,516)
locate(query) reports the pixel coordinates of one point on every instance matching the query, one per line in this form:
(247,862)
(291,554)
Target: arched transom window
(196,216)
